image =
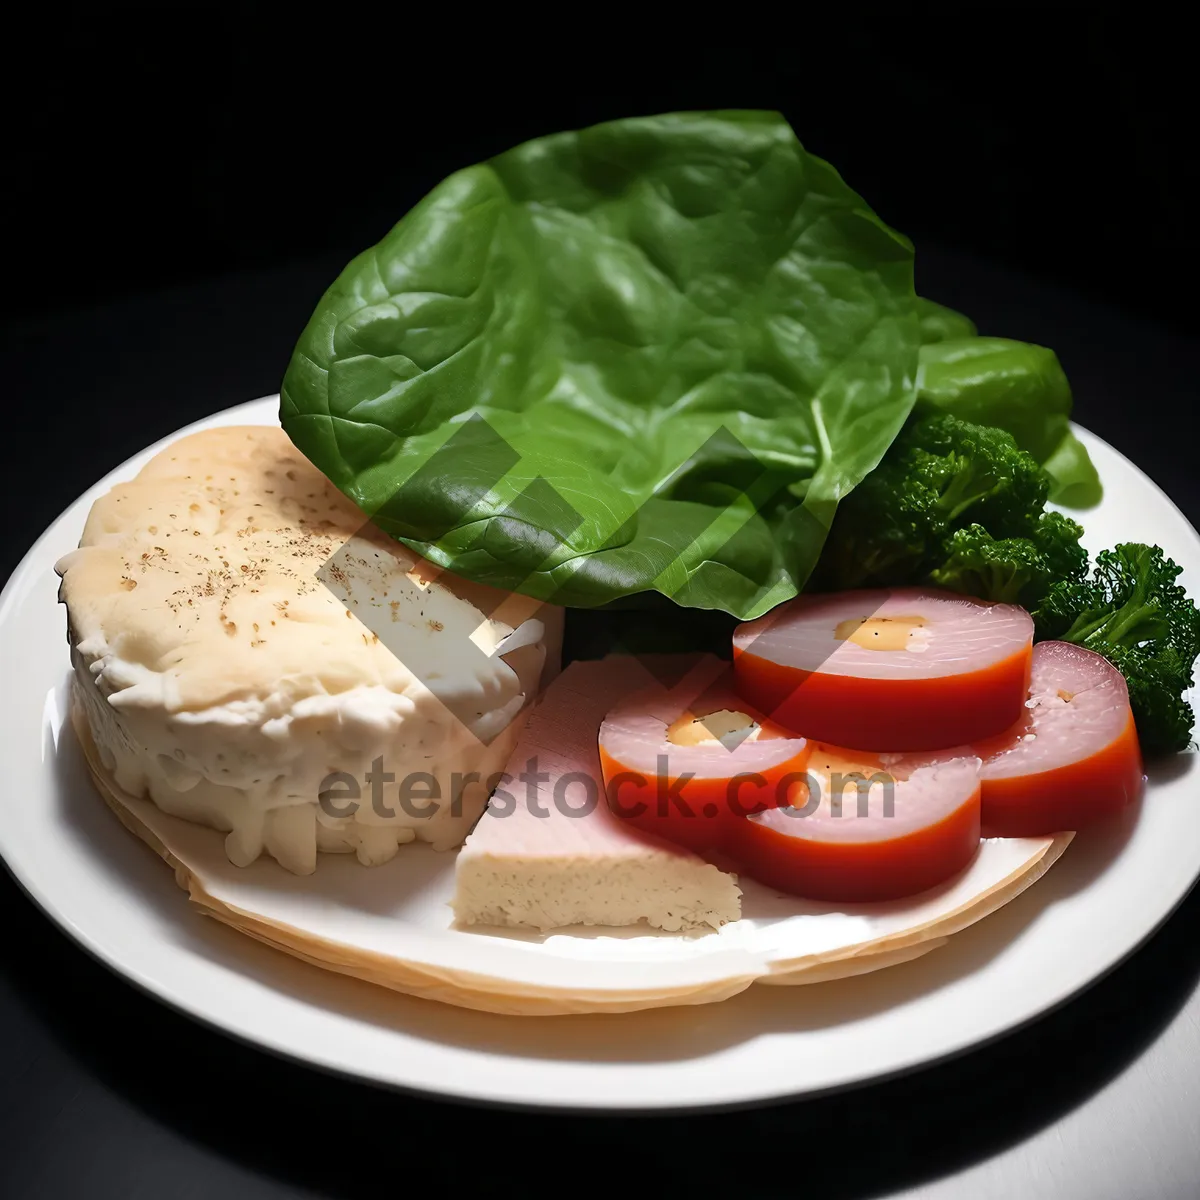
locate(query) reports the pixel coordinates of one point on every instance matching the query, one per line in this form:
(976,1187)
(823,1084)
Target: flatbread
(535,987)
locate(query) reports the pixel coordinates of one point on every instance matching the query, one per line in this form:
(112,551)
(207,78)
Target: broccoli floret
(1057,537)
(1133,612)
(1015,570)
(980,474)
(982,565)
(1156,682)
(940,476)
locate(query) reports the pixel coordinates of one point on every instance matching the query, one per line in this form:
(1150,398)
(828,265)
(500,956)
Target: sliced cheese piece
(548,853)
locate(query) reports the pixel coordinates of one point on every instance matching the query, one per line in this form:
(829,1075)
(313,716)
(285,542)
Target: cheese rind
(548,852)
(240,634)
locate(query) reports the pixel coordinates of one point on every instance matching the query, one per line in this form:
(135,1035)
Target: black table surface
(106,1093)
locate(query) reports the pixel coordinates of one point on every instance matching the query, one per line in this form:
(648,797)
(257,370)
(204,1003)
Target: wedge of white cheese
(253,656)
(549,853)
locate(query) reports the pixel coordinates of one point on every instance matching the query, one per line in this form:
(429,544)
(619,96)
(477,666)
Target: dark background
(163,144)
(181,183)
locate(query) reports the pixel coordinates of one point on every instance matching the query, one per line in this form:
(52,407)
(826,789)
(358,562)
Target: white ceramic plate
(1109,891)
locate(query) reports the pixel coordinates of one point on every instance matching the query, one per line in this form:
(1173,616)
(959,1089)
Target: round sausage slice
(1072,758)
(687,762)
(872,827)
(907,669)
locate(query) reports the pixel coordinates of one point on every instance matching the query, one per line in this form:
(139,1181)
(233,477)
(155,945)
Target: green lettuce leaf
(652,355)
(1075,482)
(1018,387)
(939,323)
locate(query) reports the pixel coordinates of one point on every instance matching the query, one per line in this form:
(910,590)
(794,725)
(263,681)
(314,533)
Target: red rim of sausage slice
(890,670)
(1073,758)
(872,827)
(688,761)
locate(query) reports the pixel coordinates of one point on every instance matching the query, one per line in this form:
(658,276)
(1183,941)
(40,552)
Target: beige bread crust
(533,865)
(684,892)
(498,995)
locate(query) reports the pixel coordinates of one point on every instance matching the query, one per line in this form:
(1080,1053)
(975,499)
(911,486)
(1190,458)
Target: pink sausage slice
(872,827)
(685,761)
(1072,757)
(908,669)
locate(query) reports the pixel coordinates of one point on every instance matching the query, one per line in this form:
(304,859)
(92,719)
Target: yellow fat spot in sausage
(879,633)
(690,730)
(825,761)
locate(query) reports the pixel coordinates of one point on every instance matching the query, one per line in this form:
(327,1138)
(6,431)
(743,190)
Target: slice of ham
(907,669)
(872,827)
(1072,757)
(685,761)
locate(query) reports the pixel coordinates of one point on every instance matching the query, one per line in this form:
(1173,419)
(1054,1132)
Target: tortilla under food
(392,925)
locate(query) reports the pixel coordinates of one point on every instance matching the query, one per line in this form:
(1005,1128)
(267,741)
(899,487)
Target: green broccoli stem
(1118,628)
